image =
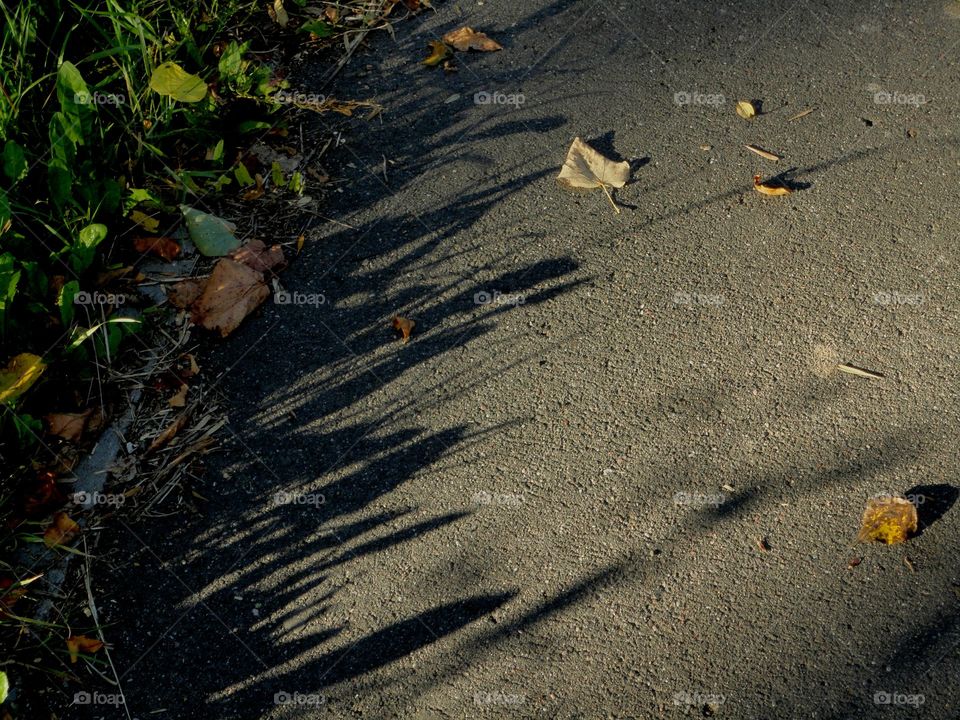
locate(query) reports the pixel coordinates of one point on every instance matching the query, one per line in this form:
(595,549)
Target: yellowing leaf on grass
(145,221)
(765,154)
(888,519)
(171,80)
(438,53)
(77,644)
(469,39)
(404,326)
(585,168)
(745,109)
(21,372)
(62,531)
(771,187)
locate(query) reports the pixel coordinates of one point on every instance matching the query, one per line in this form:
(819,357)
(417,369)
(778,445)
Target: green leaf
(171,80)
(4,686)
(243,175)
(76,103)
(276,174)
(83,251)
(318,28)
(28,428)
(9,277)
(231,63)
(213,236)
(296,182)
(217,154)
(65,301)
(21,372)
(14,161)
(249,126)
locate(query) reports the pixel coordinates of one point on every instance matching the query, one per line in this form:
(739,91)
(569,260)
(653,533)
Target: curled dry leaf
(61,531)
(185,292)
(233,291)
(169,432)
(69,426)
(585,168)
(469,39)
(888,519)
(771,187)
(77,644)
(404,326)
(438,53)
(745,109)
(164,247)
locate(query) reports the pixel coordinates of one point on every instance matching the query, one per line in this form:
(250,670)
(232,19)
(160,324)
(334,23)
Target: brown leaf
(162,246)
(62,531)
(185,292)
(169,432)
(404,326)
(233,291)
(854,561)
(256,191)
(888,519)
(179,398)
(469,39)
(69,426)
(258,257)
(77,644)
(43,496)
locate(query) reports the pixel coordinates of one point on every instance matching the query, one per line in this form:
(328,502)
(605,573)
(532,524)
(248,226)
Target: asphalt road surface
(615,472)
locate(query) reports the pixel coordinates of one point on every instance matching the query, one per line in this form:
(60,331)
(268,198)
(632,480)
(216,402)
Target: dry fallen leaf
(469,39)
(69,426)
(185,292)
(164,247)
(301,238)
(256,191)
(888,519)
(279,13)
(233,291)
(62,531)
(438,53)
(404,326)
(859,372)
(169,432)
(745,109)
(802,113)
(771,187)
(257,256)
(584,167)
(179,398)
(767,155)
(81,643)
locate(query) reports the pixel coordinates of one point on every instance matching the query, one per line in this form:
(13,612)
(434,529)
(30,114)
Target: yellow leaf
(173,81)
(62,531)
(771,187)
(21,372)
(81,643)
(439,52)
(300,240)
(745,109)
(145,221)
(280,13)
(888,519)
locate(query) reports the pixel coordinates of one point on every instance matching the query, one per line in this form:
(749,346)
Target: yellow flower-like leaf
(888,519)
